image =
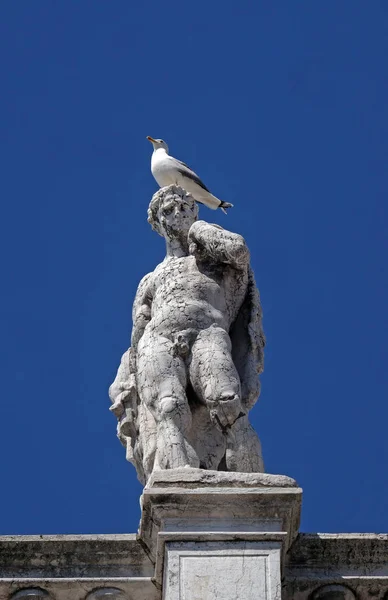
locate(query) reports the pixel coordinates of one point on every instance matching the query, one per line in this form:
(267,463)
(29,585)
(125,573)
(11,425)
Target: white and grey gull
(168,170)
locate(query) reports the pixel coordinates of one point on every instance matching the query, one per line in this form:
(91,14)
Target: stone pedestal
(214,535)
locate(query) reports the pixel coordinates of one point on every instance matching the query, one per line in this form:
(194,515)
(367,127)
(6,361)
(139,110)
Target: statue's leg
(216,381)
(243,448)
(214,376)
(161,379)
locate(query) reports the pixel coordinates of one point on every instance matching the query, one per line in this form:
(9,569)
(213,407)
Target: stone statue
(185,386)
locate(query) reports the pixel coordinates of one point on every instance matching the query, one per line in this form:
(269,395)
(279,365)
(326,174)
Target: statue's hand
(193,248)
(197,250)
(225,411)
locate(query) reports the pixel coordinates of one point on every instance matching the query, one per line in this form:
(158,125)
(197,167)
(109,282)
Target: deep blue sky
(282,108)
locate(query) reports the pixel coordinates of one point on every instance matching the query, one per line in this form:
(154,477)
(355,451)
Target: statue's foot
(174,452)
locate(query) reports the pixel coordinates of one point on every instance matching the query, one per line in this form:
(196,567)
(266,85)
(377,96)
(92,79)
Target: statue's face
(176,216)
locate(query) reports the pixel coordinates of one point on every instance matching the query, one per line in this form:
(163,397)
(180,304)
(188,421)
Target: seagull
(168,171)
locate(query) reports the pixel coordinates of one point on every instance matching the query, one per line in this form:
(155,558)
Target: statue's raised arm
(197,349)
(212,243)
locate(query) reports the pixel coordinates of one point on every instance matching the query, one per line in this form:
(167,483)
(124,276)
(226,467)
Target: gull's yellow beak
(150,139)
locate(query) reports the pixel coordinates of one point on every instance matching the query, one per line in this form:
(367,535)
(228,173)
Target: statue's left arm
(212,242)
(123,392)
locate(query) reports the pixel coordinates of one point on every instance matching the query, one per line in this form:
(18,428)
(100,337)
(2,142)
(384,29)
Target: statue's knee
(229,396)
(226,397)
(226,408)
(169,406)
(229,401)
(174,409)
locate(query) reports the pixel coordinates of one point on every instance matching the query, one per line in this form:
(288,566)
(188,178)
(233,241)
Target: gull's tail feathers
(225,205)
(211,201)
(217,203)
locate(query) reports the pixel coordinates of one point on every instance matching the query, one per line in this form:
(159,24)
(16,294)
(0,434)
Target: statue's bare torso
(186,295)
(184,313)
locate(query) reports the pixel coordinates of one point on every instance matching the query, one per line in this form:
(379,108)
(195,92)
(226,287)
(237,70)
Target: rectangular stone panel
(222,570)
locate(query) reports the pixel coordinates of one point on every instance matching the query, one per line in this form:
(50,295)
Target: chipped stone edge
(191,478)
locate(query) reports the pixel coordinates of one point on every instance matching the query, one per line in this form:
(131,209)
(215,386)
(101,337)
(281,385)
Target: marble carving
(184,388)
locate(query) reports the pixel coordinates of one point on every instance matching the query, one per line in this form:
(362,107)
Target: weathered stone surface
(66,567)
(334,591)
(78,589)
(72,556)
(107,594)
(194,478)
(191,515)
(31,594)
(184,389)
(337,567)
(222,570)
(318,566)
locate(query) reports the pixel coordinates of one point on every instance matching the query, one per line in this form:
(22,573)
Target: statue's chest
(173,268)
(183,273)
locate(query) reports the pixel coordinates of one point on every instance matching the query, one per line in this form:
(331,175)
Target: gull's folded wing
(184,170)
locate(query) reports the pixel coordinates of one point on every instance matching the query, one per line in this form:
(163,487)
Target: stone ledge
(356,563)
(230,512)
(198,478)
(339,551)
(72,556)
(236,505)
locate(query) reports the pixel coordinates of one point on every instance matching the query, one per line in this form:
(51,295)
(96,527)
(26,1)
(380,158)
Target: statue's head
(172,211)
